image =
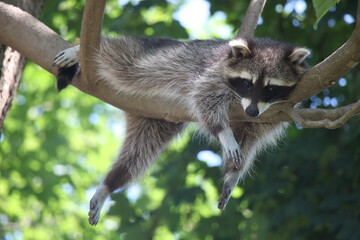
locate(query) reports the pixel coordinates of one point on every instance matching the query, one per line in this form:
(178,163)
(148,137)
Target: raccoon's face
(262,72)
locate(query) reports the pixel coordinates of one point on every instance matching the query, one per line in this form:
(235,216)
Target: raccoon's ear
(239,48)
(298,55)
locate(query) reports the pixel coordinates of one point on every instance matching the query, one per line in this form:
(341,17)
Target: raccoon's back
(159,66)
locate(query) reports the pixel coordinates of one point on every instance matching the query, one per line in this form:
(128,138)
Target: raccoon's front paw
(67,57)
(230,147)
(234,155)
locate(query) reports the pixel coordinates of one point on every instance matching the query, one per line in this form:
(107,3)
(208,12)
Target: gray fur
(197,73)
(145,140)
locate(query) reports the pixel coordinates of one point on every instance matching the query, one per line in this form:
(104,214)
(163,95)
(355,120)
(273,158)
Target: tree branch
(39,43)
(330,118)
(251,19)
(29,36)
(90,39)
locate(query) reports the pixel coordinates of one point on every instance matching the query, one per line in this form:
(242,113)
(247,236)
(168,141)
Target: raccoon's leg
(252,137)
(210,106)
(145,139)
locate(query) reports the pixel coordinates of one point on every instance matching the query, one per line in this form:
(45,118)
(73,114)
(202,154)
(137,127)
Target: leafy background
(55,148)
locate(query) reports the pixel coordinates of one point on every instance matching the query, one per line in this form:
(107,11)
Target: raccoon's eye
(271,89)
(276,92)
(247,84)
(240,83)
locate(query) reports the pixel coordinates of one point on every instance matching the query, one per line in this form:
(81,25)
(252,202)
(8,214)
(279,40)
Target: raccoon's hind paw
(231,179)
(224,199)
(67,57)
(96,204)
(94,213)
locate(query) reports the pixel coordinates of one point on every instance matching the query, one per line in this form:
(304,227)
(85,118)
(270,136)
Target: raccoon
(207,76)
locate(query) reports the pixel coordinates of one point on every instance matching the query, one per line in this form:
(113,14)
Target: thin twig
(331,118)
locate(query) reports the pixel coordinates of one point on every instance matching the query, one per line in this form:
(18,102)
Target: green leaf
(322,7)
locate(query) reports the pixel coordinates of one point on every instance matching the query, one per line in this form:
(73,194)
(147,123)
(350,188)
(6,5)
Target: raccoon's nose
(252,111)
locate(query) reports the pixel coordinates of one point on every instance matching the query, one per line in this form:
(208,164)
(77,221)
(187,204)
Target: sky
(194,15)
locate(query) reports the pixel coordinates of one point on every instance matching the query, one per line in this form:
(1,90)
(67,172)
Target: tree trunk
(12,63)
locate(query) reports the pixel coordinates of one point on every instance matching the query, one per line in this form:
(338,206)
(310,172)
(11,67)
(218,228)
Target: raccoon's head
(262,72)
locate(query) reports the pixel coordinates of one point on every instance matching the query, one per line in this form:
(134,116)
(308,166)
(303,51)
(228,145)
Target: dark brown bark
(12,63)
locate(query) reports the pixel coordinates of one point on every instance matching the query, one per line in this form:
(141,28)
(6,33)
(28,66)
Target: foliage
(55,148)
(322,7)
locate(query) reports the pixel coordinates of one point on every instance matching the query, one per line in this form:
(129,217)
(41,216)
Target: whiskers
(236,94)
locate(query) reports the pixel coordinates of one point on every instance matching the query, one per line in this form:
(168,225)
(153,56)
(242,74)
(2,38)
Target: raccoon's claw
(63,60)
(58,57)
(231,148)
(236,157)
(67,57)
(94,213)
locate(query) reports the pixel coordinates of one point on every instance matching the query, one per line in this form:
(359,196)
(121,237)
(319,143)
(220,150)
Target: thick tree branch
(39,43)
(251,19)
(90,38)
(29,36)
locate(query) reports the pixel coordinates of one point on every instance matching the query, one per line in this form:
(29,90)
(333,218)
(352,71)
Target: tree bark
(13,63)
(251,19)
